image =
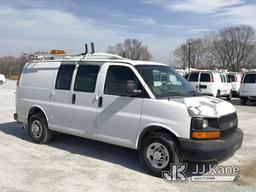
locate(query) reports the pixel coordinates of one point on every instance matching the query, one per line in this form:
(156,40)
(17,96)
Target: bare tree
(198,48)
(234,47)
(181,55)
(131,49)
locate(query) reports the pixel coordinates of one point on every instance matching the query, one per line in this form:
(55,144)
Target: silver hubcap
(37,129)
(157,155)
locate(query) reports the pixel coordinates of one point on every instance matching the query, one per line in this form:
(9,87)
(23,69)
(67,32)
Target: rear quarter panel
(35,86)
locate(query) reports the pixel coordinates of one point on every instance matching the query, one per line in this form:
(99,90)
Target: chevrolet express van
(142,105)
(248,87)
(211,83)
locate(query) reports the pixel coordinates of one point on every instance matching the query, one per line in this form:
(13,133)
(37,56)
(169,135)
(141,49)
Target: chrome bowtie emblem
(231,124)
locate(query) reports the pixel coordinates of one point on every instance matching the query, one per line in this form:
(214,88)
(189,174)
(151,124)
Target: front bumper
(211,150)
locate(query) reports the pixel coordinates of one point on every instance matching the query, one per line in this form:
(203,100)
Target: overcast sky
(37,25)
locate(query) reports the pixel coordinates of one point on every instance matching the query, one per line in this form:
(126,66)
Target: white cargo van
(235,80)
(145,106)
(248,87)
(2,79)
(211,83)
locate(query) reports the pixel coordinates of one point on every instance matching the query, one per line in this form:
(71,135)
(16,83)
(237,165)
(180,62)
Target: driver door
(118,115)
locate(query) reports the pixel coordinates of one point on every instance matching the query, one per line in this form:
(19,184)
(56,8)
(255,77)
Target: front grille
(228,124)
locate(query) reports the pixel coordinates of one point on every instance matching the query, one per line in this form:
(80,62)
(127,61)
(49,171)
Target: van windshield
(165,81)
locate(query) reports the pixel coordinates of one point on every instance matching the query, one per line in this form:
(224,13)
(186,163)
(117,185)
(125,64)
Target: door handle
(100,100)
(51,94)
(73,98)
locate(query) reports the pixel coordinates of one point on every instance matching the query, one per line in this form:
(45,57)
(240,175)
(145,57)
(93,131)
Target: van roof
(100,57)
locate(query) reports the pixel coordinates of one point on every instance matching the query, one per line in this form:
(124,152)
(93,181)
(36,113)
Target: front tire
(158,151)
(38,129)
(1,82)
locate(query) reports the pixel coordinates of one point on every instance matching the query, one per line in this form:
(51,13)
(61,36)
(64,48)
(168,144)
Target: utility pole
(171,58)
(189,55)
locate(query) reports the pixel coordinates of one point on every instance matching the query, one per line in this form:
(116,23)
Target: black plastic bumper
(211,150)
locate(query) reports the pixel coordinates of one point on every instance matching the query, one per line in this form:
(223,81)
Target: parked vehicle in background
(2,79)
(235,80)
(142,105)
(248,87)
(211,83)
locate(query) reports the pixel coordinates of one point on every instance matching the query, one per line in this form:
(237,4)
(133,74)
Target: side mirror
(131,89)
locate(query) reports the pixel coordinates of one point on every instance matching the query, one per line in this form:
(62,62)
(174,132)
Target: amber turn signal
(205,134)
(57,52)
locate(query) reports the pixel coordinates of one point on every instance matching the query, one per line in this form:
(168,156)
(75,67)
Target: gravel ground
(70,163)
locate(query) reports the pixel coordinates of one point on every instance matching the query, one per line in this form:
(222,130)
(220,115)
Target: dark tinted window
(250,78)
(193,77)
(86,78)
(205,77)
(64,77)
(222,78)
(117,76)
(231,78)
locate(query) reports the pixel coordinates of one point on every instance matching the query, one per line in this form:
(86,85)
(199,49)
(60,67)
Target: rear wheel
(229,96)
(218,94)
(158,151)
(243,101)
(38,129)
(1,82)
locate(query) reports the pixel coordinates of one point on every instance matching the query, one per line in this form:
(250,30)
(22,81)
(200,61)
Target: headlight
(204,128)
(199,123)
(205,123)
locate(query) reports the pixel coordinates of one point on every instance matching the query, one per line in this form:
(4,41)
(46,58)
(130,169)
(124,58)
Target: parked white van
(145,106)
(235,80)
(211,83)
(2,79)
(248,87)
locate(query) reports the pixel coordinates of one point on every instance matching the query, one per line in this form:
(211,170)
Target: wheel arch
(36,109)
(154,128)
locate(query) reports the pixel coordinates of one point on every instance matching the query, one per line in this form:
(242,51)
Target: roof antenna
(92,48)
(86,49)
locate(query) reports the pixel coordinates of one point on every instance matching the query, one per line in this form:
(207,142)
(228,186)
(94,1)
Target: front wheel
(1,82)
(38,129)
(158,151)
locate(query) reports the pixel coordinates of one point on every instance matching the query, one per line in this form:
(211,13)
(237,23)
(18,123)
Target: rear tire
(38,129)
(218,94)
(1,82)
(243,101)
(229,96)
(158,151)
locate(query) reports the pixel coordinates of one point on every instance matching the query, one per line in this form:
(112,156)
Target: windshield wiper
(172,93)
(195,93)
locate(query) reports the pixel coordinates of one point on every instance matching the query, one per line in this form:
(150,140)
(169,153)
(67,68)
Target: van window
(117,76)
(64,77)
(231,78)
(86,78)
(250,78)
(205,77)
(193,77)
(222,78)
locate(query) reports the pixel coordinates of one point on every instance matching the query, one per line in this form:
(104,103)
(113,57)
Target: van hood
(207,106)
